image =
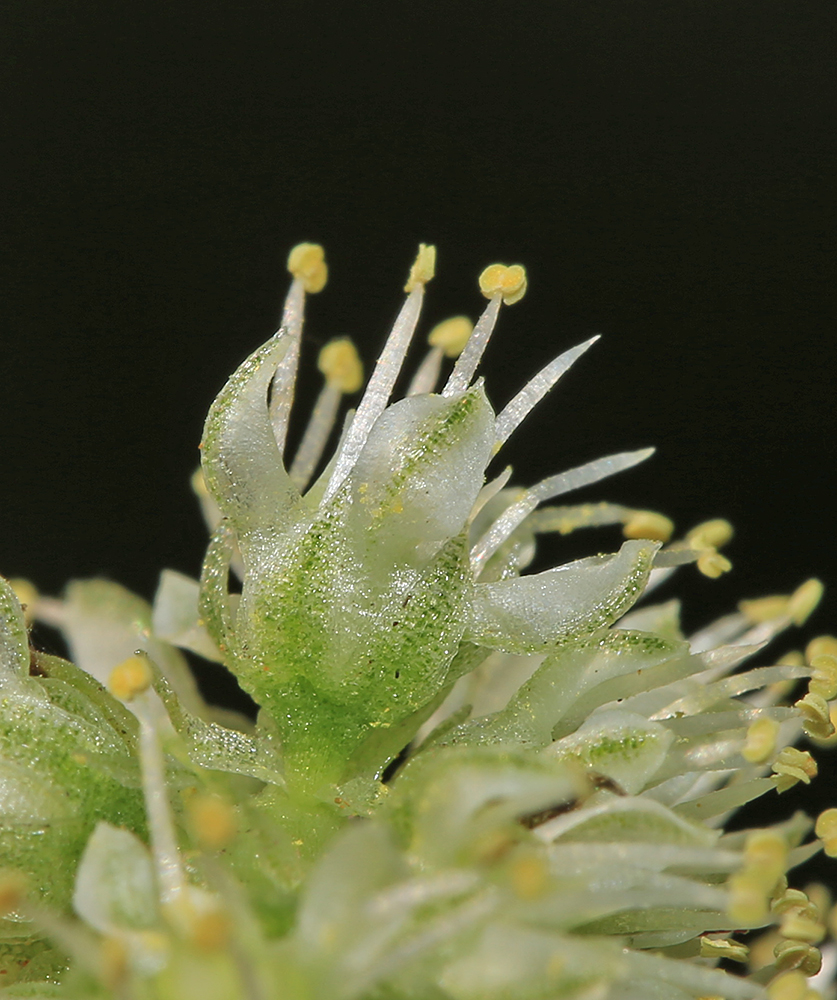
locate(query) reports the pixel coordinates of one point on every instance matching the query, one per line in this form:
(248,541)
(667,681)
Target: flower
(465,781)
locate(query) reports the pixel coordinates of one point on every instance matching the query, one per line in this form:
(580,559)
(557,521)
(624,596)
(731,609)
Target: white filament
(547,489)
(378,389)
(316,435)
(469,359)
(284,381)
(427,376)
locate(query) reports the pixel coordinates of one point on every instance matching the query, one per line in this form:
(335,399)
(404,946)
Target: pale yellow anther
(794,901)
(789,986)
(451,335)
(829,741)
(796,927)
(765,609)
(213,821)
(723,948)
(424,267)
(113,962)
(823,644)
(804,600)
(793,658)
(648,524)
(210,931)
(816,716)
(529,877)
(713,565)
(766,857)
(27,595)
(341,365)
(792,766)
(307,262)
(506,281)
(198,483)
(797,955)
(747,902)
(826,830)
(711,534)
(131,678)
(761,741)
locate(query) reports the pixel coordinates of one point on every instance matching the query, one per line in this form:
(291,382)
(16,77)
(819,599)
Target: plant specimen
(465,781)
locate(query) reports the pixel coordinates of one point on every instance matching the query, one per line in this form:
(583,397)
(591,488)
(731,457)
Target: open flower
(465,781)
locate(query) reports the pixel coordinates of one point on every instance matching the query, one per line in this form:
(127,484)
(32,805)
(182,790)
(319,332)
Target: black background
(664,170)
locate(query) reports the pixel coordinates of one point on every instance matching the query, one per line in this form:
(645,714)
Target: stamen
(447,340)
(387,369)
(340,364)
(498,283)
(130,681)
(307,265)
(554,486)
(534,391)
(826,830)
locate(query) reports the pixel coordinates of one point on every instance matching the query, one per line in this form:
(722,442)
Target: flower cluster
(465,781)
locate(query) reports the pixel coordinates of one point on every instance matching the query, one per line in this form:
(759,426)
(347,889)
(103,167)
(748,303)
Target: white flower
(563,762)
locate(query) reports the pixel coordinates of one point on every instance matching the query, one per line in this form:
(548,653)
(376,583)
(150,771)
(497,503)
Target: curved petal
(535,612)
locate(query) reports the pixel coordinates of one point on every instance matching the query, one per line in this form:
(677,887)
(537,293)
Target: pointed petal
(535,612)
(242,464)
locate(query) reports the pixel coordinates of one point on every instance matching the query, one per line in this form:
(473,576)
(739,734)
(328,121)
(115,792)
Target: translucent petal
(242,463)
(535,612)
(14,640)
(175,616)
(115,882)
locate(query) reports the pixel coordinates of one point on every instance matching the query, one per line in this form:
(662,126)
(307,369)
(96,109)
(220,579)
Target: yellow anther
(823,644)
(213,821)
(307,262)
(796,902)
(766,857)
(826,830)
(797,955)
(131,678)
(799,928)
(793,658)
(424,267)
(792,766)
(210,930)
(713,565)
(761,741)
(529,877)
(451,335)
(789,986)
(113,962)
(804,600)
(816,717)
(198,483)
(341,365)
(509,282)
(723,948)
(27,595)
(13,887)
(765,609)
(710,535)
(829,741)
(648,524)
(747,899)
(819,897)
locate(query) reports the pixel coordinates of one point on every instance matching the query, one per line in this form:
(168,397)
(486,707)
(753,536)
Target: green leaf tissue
(466,780)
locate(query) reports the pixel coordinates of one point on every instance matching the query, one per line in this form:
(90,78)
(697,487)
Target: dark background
(665,171)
